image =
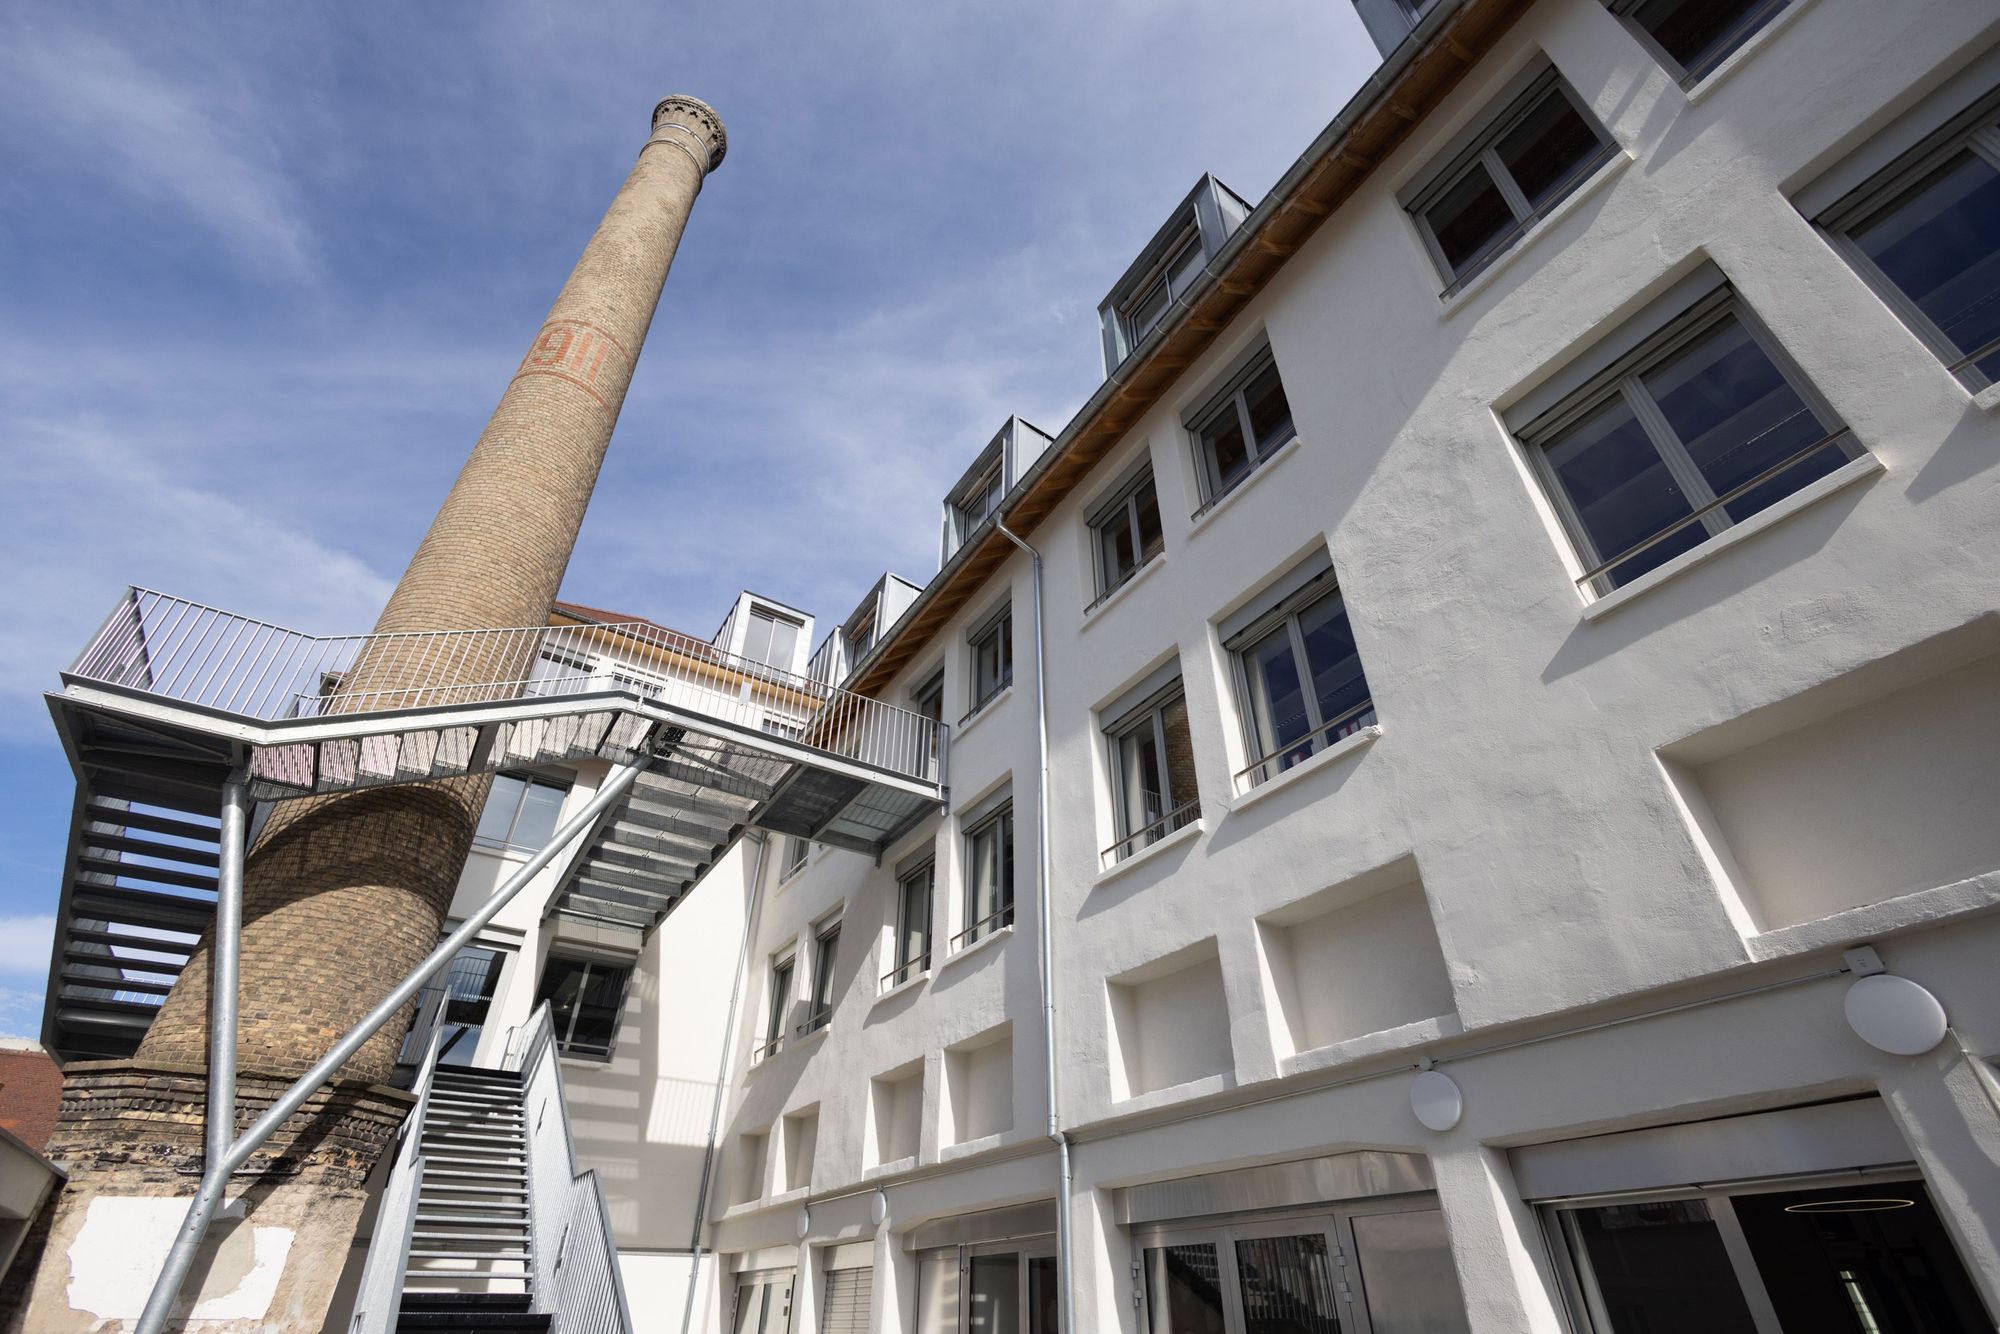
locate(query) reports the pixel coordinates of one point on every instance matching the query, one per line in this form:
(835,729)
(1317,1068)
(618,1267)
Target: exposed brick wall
(31,1086)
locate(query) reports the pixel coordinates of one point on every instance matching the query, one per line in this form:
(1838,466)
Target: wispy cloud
(194,148)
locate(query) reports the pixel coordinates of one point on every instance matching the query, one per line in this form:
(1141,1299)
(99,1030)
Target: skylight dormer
(1002,463)
(1169,267)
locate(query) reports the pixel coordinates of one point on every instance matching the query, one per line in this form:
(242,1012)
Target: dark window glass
(1859,1259)
(1229,456)
(1939,243)
(1698,34)
(992,660)
(1544,151)
(585,998)
(1128,534)
(1533,153)
(1305,683)
(1469,220)
(1660,1266)
(913,924)
(826,953)
(1270,413)
(1250,421)
(989,886)
(1183,1290)
(994,1291)
(1153,781)
(1673,453)
(1044,1298)
(1288,1285)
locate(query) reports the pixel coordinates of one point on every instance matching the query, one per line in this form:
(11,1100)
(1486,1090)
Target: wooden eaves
(1410,84)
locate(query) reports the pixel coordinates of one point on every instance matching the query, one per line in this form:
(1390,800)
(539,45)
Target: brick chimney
(344,895)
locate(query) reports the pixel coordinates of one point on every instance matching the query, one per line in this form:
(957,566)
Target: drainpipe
(722,1078)
(1044,937)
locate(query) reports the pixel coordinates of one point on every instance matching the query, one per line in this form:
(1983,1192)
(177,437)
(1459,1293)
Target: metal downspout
(216,1171)
(722,1079)
(1045,937)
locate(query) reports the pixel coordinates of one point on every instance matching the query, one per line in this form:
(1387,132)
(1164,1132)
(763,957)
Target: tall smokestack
(344,895)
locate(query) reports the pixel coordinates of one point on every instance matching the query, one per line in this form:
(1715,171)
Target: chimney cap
(699,117)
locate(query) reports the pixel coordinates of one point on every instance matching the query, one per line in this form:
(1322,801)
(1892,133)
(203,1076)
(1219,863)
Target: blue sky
(264,271)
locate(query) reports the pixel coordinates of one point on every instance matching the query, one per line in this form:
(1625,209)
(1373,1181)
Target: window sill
(1333,754)
(1596,181)
(1987,399)
(981,714)
(910,983)
(1779,21)
(1185,834)
(1845,476)
(1259,473)
(972,1148)
(1116,595)
(894,1167)
(966,951)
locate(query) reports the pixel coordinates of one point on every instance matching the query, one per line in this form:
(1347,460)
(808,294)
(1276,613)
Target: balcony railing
(1178,818)
(200,655)
(903,972)
(1269,766)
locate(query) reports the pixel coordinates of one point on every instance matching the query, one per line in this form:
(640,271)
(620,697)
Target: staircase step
(473,1322)
(481,1256)
(433,1168)
(449,1189)
(519,1238)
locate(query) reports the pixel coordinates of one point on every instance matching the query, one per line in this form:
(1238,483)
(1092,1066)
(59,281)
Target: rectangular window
(989,876)
(927,702)
(1126,533)
(914,891)
(1240,427)
(521,812)
(992,658)
(1525,161)
(980,498)
(1926,234)
(796,851)
(1691,37)
(1152,772)
(1298,673)
(770,639)
(585,998)
(826,953)
(1155,292)
(1701,426)
(860,633)
(779,1000)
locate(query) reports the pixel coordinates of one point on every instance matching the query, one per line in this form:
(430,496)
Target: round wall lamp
(878,1208)
(805,1223)
(1436,1100)
(1894,1014)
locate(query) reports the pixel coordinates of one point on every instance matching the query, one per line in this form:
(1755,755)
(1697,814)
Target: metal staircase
(468,1258)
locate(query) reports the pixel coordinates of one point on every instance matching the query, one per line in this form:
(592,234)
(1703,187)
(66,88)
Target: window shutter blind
(847,1293)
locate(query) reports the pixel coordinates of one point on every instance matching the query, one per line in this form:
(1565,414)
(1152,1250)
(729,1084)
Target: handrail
(984,927)
(572,1254)
(1179,817)
(1348,723)
(379,1299)
(219,660)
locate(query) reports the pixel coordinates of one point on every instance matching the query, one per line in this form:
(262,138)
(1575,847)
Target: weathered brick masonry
(344,895)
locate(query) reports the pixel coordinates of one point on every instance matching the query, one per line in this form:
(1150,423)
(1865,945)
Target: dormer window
(982,498)
(860,632)
(1159,288)
(771,639)
(1169,267)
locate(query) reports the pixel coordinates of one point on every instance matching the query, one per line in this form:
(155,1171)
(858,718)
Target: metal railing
(984,927)
(904,971)
(200,655)
(574,1259)
(1299,748)
(1734,493)
(1178,818)
(379,1301)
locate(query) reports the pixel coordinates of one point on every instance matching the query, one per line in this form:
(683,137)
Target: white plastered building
(1521,692)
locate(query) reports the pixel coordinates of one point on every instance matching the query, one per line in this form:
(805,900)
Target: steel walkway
(170,697)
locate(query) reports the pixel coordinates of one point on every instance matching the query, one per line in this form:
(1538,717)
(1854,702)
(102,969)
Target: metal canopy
(171,696)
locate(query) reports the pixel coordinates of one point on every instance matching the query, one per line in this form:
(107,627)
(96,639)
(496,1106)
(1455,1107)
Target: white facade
(1598,859)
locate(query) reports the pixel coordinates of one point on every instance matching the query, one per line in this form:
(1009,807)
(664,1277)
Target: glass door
(1276,1276)
(1403,1268)
(763,1303)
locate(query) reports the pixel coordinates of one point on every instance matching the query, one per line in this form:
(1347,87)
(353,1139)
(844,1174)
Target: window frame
(529,781)
(1758,18)
(1122,505)
(565,1040)
(825,957)
(912,964)
(1481,153)
(774,619)
(1161,273)
(1619,381)
(798,851)
(1233,397)
(1148,715)
(1000,823)
(999,624)
(1976,129)
(1286,612)
(778,998)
